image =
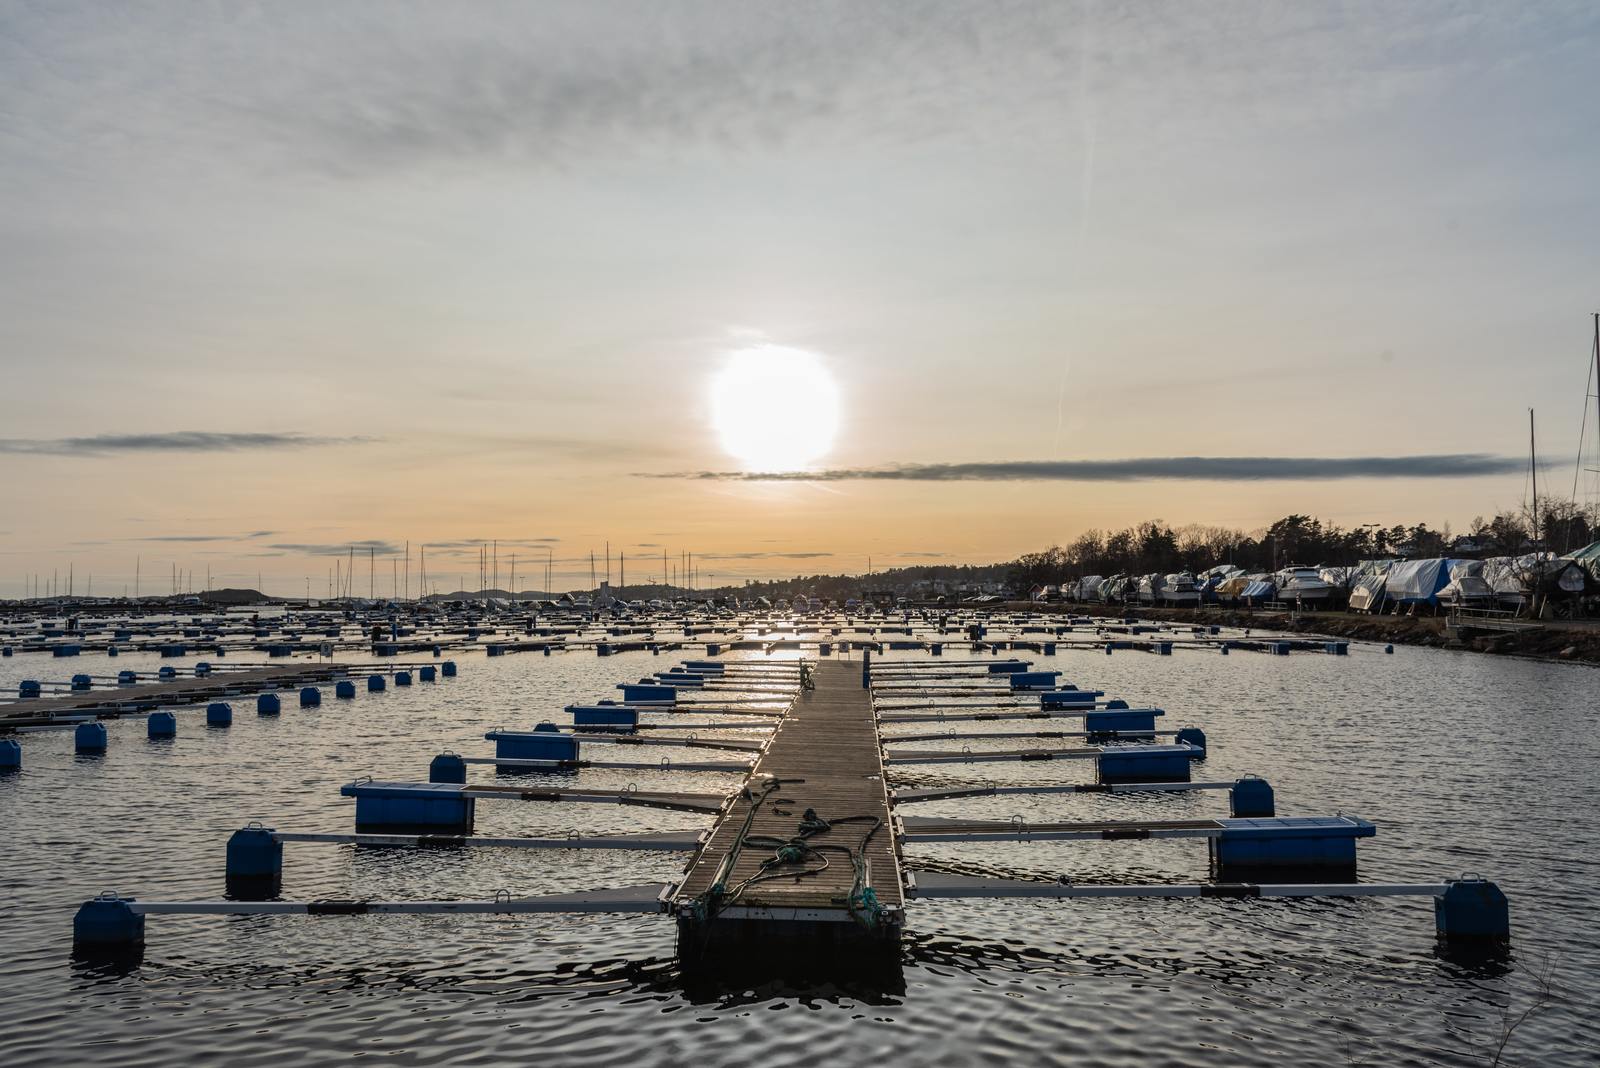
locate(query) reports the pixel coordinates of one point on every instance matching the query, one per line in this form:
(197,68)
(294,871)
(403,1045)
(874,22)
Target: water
(1465,762)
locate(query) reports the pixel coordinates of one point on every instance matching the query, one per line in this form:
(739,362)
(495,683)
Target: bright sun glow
(775,408)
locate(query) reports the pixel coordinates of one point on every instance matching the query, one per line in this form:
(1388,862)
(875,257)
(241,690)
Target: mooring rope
(862,901)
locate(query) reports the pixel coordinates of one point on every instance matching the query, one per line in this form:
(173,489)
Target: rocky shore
(1553,641)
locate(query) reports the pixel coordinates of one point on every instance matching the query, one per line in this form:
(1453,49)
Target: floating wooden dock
(769,880)
(801,866)
(108,702)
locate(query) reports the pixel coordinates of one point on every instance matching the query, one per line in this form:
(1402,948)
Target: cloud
(176,441)
(759,556)
(556,86)
(403,84)
(473,543)
(464,548)
(362,548)
(188,537)
(1141,469)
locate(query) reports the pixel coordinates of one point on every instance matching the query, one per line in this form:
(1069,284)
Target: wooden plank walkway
(824,756)
(217,685)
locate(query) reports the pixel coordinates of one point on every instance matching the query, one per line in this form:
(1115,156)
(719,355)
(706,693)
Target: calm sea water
(1465,762)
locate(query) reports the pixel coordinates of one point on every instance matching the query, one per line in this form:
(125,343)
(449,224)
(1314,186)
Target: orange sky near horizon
(447,279)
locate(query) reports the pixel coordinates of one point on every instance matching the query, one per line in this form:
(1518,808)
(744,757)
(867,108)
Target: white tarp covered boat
(1467,586)
(1418,581)
(1179,589)
(1303,585)
(1258,589)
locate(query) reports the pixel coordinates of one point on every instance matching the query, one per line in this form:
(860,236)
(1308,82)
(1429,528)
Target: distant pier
(213,685)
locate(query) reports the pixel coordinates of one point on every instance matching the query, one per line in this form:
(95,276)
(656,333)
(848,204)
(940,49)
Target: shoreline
(1555,643)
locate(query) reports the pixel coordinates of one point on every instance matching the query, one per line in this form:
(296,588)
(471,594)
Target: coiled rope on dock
(862,901)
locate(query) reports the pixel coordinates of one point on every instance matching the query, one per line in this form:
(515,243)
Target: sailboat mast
(1596,362)
(1590,374)
(1533,467)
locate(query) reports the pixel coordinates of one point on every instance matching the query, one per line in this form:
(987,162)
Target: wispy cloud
(250,543)
(362,548)
(759,556)
(473,543)
(549,84)
(1140,469)
(189,537)
(176,441)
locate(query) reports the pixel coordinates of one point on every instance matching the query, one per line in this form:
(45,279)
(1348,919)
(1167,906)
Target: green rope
(862,901)
(811,824)
(866,908)
(705,905)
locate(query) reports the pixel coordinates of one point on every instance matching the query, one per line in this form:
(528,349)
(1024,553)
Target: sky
(277,279)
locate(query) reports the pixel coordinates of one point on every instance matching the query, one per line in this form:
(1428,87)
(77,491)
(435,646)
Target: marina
(771,534)
(833,751)
(804,860)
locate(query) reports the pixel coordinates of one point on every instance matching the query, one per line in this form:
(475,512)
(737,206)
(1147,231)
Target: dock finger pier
(805,855)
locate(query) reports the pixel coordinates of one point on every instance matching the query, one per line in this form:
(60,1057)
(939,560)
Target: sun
(775,408)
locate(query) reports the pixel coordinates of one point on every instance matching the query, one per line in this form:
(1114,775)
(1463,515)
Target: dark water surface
(1465,762)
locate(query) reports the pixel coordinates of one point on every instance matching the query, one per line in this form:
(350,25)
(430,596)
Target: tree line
(842,587)
(1153,546)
